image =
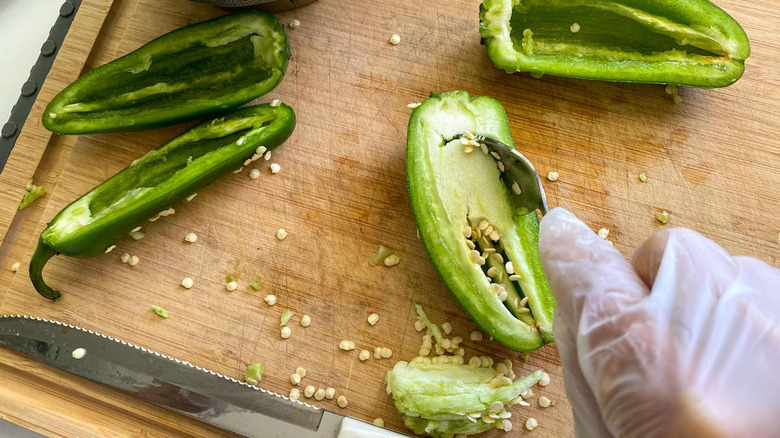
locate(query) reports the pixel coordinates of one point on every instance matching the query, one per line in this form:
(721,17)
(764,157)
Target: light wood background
(712,161)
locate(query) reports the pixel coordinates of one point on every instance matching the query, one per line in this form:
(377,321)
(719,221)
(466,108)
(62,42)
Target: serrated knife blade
(174,384)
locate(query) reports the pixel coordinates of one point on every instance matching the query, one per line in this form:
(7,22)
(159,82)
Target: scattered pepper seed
(295,379)
(160,311)
(516,188)
(270,299)
(663,217)
(294,24)
(191,237)
(387,353)
(231,286)
(342,401)
(137,235)
(133,260)
(392,260)
(364,355)
(419,325)
(377,352)
(189,198)
(379,422)
(447,328)
(552,176)
(330,393)
(305,321)
(506,425)
(395,39)
(187,282)
(347,345)
(603,233)
(544,380)
(281,234)
(574,28)
(110,248)
(254,174)
(295,394)
(476,336)
(319,394)
(124,258)
(286,332)
(15,267)
(301,371)
(373,318)
(531,423)
(544,402)
(275,168)
(309,391)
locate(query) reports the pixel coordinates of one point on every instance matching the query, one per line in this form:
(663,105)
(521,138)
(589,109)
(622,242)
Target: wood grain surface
(712,161)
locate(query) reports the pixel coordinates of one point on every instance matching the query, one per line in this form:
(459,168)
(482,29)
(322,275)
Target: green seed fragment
(254,373)
(380,255)
(160,311)
(230,278)
(642,177)
(254,285)
(663,217)
(286,315)
(31,193)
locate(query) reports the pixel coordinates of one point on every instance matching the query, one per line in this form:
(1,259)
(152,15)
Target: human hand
(683,340)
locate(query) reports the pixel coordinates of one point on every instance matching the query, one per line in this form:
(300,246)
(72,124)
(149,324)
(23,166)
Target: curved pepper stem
(42,255)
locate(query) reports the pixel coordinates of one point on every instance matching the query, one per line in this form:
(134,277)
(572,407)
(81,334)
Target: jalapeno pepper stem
(42,255)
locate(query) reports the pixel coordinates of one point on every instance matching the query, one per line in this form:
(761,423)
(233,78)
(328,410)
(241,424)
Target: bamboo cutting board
(712,161)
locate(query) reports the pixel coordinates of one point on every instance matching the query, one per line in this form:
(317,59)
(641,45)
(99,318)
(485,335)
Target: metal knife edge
(163,356)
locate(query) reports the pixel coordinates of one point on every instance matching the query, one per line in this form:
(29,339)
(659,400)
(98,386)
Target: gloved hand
(684,340)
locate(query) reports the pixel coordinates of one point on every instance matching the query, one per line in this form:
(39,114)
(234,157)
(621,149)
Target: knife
(175,384)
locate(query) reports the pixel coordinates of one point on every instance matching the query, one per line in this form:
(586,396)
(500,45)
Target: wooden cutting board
(713,161)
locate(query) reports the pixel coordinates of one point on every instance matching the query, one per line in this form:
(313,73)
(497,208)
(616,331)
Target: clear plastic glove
(683,340)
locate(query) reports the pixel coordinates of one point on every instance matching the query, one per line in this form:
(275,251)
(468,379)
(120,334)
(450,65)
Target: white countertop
(24,26)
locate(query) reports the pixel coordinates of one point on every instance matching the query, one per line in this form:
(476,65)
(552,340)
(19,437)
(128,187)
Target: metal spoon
(518,170)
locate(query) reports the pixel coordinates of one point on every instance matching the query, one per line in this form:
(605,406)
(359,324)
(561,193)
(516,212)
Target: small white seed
(476,336)
(544,402)
(531,423)
(373,318)
(275,168)
(295,394)
(379,422)
(254,174)
(364,355)
(295,379)
(281,234)
(187,282)
(270,299)
(231,286)
(377,352)
(545,380)
(137,235)
(392,260)
(294,24)
(552,176)
(506,425)
(395,39)
(447,328)
(510,267)
(347,345)
(387,353)
(330,393)
(309,391)
(342,401)
(15,267)
(301,371)
(191,237)
(419,326)
(125,258)
(286,332)
(319,394)
(133,260)
(603,233)
(305,321)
